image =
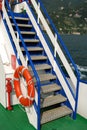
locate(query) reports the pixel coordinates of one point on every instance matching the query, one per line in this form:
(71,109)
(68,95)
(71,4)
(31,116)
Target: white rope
(30,82)
(23,70)
(30,98)
(20,97)
(16,79)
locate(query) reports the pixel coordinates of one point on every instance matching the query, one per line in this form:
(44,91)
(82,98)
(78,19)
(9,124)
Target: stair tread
(46,77)
(41,67)
(55,114)
(50,88)
(32,48)
(39,57)
(26,32)
(52,100)
(20,18)
(23,25)
(30,40)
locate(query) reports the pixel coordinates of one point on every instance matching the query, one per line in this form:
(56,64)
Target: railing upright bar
(38,18)
(55,51)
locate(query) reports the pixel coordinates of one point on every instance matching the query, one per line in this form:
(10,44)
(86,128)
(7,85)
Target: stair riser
(28,36)
(39,61)
(34,52)
(23,28)
(20,21)
(29,44)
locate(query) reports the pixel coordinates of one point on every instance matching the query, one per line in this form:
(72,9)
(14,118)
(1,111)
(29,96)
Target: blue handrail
(59,38)
(27,53)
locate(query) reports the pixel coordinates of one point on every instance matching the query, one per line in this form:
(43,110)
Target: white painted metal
(18,8)
(2,84)
(55,49)
(38,19)
(3,53)
(49,54)
(5,64)
(31,113)
(32,116)
(82,100)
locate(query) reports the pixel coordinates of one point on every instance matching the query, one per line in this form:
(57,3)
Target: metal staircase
(53,103)
(55,97)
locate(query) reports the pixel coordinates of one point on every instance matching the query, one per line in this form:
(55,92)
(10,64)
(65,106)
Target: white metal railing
(15,39)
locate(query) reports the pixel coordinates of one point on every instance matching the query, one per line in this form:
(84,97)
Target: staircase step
(23,25)
(39,57)
(55,113)
(20,18)
(30,40)
(52,100)
(41,67)
(27,32)
(33,49)
(46,77)
(50,88)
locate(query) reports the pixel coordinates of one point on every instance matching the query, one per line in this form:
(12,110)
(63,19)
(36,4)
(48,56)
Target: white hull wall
(5,63)
(82,100)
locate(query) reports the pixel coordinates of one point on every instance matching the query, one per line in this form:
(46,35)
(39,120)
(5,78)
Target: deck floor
(17,120)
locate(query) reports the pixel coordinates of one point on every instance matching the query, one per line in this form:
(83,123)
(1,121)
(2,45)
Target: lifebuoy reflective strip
(25,101)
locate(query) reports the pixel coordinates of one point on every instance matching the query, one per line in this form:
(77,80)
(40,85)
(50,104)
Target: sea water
(77,46)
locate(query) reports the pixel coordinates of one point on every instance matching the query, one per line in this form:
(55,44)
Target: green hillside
(69,16)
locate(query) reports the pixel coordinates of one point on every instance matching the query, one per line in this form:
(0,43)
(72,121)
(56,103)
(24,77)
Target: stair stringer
(32,113)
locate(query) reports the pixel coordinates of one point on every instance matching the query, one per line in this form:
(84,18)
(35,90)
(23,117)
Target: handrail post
(26,60)
(77,94)
(55,45)
(55,50)
(38,17)
(17,38)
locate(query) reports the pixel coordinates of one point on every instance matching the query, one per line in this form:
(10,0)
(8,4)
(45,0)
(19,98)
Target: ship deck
(17,120)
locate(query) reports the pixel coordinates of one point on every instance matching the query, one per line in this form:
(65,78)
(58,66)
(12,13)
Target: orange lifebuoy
(25,101)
